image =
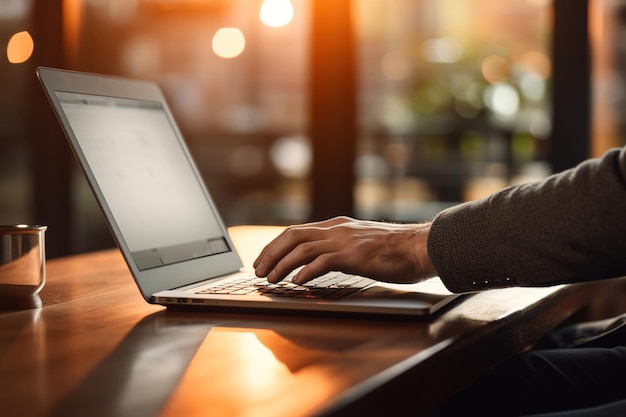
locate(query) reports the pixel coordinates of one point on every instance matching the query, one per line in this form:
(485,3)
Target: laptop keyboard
(333,285)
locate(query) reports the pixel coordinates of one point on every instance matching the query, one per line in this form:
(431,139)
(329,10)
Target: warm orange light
(495,69)
(20,47)
(228,42)
(276,13)
(72,26)
(538,62)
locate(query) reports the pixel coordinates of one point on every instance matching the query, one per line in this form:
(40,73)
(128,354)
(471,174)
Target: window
(454,99)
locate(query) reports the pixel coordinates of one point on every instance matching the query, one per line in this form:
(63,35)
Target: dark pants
(577,371)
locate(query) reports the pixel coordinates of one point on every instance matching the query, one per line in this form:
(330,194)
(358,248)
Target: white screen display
(146,178)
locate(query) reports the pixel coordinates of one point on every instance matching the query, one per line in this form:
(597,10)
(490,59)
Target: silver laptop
(165,222)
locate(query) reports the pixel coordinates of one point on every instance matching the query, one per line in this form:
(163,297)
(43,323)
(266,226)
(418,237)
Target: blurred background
(299,110)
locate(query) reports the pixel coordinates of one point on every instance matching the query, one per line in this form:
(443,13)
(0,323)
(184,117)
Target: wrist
(424,265)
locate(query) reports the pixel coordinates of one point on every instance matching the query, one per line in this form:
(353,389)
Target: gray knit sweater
(570,227)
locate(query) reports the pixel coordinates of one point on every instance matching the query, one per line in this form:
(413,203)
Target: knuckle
(293,235)
(306,247)
(343,219)
(290,231)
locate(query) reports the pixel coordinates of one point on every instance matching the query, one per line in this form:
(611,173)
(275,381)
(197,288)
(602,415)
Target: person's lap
(614,409)
(580,368)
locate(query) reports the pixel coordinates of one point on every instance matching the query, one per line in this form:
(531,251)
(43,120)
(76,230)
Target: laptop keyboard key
(329,286)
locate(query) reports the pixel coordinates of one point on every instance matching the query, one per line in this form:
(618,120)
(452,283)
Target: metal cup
(22,266)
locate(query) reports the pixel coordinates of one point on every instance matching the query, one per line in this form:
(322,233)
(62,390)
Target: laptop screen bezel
(159,278)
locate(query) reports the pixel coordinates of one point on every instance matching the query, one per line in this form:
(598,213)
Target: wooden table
(97,348)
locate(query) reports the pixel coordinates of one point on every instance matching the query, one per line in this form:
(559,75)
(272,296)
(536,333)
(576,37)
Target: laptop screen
(146,178)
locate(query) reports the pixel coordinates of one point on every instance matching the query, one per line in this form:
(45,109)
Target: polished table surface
(96,348)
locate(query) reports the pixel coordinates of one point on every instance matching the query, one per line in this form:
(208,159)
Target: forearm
(570,227)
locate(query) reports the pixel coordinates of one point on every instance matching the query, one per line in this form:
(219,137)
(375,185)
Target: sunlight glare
(20,47)
(276,13)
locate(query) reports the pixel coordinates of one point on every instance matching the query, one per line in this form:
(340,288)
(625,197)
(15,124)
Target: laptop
(167,226)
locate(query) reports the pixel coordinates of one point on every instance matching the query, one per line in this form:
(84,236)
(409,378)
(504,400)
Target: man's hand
(385,252)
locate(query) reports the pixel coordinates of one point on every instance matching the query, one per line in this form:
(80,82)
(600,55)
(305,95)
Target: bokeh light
(502,99)
(468,100)
(532,86)
(443,50)
(20,47)
(276,13)
(228,42)
(495,69)
(292,156)
(537,62)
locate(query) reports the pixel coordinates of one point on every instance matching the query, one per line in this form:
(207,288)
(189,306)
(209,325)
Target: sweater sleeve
(570,227)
